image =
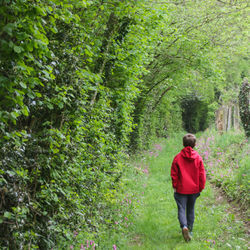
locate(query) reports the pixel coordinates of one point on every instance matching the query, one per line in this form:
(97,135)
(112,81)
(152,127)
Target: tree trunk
(229,116)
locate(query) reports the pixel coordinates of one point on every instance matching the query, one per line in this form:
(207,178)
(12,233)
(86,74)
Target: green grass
(155,223)
(145,212)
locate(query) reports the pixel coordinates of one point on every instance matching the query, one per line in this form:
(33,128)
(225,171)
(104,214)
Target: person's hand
(174,190)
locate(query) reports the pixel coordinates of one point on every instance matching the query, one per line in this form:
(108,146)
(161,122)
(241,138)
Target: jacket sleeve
(174,174)
(202,176)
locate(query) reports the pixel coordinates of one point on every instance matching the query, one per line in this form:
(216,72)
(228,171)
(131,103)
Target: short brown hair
(189,140)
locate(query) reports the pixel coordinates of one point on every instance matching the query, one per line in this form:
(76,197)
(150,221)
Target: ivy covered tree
(244,99)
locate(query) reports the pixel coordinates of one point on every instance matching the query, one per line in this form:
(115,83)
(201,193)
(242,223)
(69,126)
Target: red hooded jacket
(187,172)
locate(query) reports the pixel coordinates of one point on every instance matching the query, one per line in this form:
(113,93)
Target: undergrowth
(227,162)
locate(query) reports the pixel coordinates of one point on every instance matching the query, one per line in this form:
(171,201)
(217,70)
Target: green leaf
(55,150)
(7,215)
(18,134)
(23,85)
(30,46)
(50,106)
(38,94)
(14,114)
(46,73)
(41,11)
(60,105)
(25,111)
(18,49)
(54,30)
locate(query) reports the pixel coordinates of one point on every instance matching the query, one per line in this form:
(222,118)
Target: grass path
(156,225)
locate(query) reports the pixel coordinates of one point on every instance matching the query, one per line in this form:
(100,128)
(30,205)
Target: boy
(188,180)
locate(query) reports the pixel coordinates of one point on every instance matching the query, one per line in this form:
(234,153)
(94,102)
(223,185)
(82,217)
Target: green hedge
(67,84)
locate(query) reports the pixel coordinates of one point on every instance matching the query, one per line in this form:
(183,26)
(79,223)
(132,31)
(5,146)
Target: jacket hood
(189,153)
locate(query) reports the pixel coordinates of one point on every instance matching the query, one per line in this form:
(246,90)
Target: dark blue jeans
(185,204)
